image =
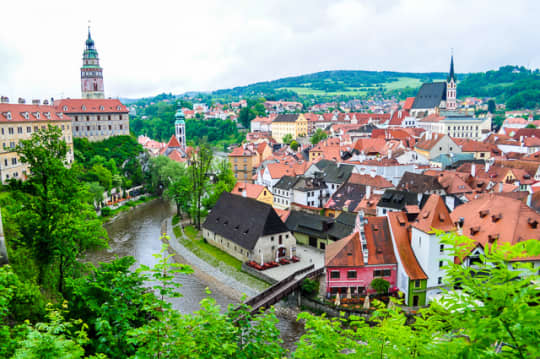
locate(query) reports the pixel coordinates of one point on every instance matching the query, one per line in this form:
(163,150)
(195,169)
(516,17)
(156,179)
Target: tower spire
(451,74)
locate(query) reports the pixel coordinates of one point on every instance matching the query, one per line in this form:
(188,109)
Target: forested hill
(346,83)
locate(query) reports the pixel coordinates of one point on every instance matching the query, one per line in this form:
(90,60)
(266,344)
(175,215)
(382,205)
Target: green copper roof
(179,122)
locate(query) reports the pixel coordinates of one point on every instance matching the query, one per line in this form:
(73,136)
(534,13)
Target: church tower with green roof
(91,72)
(180,128)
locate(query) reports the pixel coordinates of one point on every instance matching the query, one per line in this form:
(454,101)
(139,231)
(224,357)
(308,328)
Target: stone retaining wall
(258,274)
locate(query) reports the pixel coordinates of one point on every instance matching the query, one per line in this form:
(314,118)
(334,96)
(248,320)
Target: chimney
(244,193)
(21,101)
(35,102)
(389,154)
(487,166)
(368,192)
(521,139)
(4,99)
(529,200)
(500,186)
(473,170)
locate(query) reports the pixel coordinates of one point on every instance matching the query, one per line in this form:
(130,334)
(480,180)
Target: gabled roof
(379,241)
(429,143)
(346,252)
(35,113)
(334,172)
(418,183)
(173,142)
(252,190)
(434,215)
(492,217)
(430,95)
(286,182)
(243,220)
(347,196)
(286,118)
(397,199)
(317,226)
(368,180)
(399,226)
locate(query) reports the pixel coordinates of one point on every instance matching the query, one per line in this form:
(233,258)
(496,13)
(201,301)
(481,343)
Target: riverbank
(128,206)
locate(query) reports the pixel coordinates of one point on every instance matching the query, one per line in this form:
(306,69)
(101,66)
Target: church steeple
(451,87)
(91,72)
(451,74)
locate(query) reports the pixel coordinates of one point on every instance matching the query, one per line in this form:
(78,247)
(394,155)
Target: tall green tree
(318,136)
(56,222)
(199,167)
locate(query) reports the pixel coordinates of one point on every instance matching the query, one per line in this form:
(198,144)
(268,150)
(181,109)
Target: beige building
(294,124)
(19,122)
(95,119)
(457,125)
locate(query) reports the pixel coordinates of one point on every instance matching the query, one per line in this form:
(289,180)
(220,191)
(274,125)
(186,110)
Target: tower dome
(179,116)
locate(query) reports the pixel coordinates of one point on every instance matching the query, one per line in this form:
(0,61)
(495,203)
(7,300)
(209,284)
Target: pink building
(357,259)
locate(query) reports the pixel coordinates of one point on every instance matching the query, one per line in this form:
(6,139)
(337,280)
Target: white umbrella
(337,301)
(348,292)
(366,302)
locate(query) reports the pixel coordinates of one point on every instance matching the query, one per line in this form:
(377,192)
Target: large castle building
(94,117)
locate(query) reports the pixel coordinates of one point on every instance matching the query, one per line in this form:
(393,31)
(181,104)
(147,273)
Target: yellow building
(19,122)
(243,160)
(295,125)
(255,191)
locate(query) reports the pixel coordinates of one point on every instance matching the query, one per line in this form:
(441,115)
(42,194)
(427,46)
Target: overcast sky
(149,47)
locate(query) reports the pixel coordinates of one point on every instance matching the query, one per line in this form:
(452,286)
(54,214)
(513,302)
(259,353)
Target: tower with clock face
(91,72)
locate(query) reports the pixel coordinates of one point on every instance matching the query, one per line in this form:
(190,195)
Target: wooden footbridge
(282,289)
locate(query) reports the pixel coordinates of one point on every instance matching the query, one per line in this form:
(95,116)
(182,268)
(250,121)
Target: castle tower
(451,88)
(91,72)
(180,128)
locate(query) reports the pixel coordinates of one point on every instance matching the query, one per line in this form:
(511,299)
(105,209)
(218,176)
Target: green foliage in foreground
(110,312)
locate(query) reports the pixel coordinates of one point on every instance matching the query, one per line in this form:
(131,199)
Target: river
(137,233)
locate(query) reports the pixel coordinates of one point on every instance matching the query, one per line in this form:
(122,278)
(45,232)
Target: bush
(380,285)
(105,211)
(310,287)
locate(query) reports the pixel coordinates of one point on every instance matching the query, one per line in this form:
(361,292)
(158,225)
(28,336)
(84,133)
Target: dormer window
(484,213)
(25,115)
(83,108)
(37,115)
(48,115)
(118,108)
(532,222)
(101,108)
(8,115)
(496,217)
(65,108)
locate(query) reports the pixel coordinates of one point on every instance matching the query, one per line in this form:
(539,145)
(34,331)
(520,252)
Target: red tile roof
(173,142)
(90,106)
(376,181)
(399,226)
(492,217)
(252,190)
(434,215)
(35,113)
(347,252)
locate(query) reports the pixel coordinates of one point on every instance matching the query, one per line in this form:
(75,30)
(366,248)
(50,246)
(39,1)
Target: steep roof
(346,252)
(252,190)
(399,226)
(243,220)
(317,226)
(347,196)
(334,172)
(379,241)
(429,143)
(173,142)
(286,183)
(434,215)
(397,199)
(418,183)
(430,95)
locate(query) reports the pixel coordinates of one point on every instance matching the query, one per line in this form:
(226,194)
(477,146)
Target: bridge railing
(278,285)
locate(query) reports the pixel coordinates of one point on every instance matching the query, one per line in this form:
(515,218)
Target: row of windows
(89,128)
(99,118)
(281,201)
(352,274)
(20,129)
